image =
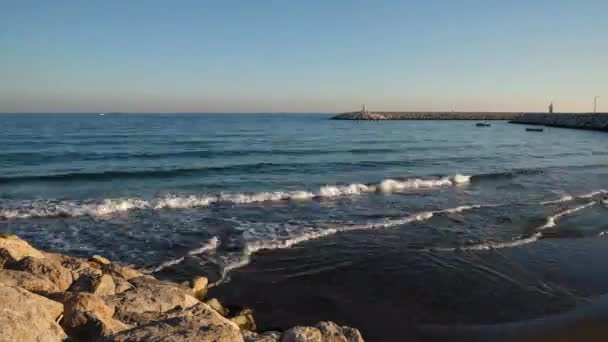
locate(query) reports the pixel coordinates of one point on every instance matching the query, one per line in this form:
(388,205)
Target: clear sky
(302,56)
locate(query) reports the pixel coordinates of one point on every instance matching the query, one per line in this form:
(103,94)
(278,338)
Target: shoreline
(48,296)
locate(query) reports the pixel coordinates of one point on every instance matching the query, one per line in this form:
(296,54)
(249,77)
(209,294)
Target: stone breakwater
(592,121)
(54,297)
(427,116)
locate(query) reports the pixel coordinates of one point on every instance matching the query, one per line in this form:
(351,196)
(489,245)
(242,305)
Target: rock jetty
(365,115)
(53,297)
(592,121)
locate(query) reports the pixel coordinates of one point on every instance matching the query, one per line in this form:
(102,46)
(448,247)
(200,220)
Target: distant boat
(102,114)
(530,129)
(483,124)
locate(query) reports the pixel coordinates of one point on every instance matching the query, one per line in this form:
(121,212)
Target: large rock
(302,334)
(99,285)
(269,336)
(322,332)
(18,248)
(44,268)
(87,318)
(5,257)
(25,316)
(332,332)
(199,323)
(199,287)
(124,272)
(76,266)
(217,306)
(151,295)
(27,281)
(244,319)
(121,285)
(143,318)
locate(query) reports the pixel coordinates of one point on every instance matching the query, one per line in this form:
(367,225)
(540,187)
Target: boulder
(199,287)
(76,266)
(302,334)
(269,336)
(44,268)
(322,332)
(87,318)
(25,316)
(27,281)
(151,295)
(143,318)
(217,306)
(244,319)
(99,285)
(5,257)
(121,285)
(334,333)
(123,272)
(200,324)
(99,260)
(18,248)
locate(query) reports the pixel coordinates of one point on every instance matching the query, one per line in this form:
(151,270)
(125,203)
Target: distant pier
(592,121)
(367,115)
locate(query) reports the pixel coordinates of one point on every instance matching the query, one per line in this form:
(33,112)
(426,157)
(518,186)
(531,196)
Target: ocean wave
(207,246)
(508,174)
(52,208)
(282,236)
(550,222)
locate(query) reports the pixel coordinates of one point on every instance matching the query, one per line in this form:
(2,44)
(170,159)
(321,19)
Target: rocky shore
(54,297)
(426,116)
(592,121)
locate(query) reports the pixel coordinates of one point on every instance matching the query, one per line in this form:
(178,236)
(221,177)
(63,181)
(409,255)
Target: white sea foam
(549,223)
(279,236)
(564,198)
(551,220)
(209,245)
(51,208)
(594,193)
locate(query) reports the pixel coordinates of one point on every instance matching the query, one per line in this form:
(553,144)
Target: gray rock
(27,281)
(332,332)
(302,334)
(150,295)
(322,332)
(44,268)
(269,336)
(25,316)
(199,323)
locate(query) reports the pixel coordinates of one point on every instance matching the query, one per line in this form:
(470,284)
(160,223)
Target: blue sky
(302,56)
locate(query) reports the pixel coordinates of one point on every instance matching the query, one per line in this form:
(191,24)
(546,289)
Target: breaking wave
(209,245)
(281,236)
(54,208)
(550,222)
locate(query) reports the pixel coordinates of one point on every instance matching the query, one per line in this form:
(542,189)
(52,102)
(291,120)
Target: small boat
(530,129)
(102,114)
(483,124)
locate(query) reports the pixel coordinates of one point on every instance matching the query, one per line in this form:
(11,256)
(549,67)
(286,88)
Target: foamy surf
(52,208)
(207,246)
(282,236)
(550,222)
